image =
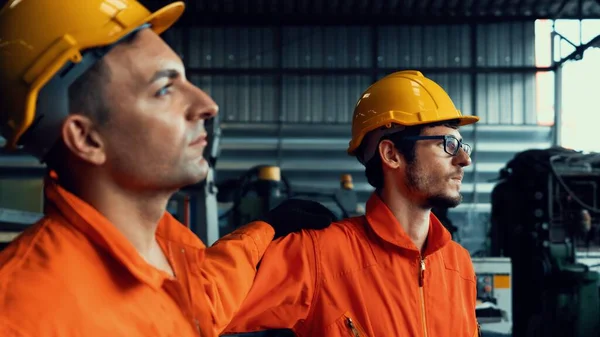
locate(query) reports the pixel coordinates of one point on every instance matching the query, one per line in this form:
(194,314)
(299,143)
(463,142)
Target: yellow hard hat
(404,98)
(43,41)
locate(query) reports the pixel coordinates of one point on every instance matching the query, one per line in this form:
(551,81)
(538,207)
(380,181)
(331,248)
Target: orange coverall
(74,274)
(363,277)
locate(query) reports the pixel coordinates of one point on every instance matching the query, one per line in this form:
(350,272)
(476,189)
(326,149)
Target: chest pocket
(347,326)
(460,290)
(458,264)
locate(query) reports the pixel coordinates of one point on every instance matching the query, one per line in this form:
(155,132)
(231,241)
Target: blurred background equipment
(252,195)
(545,210)
(264,187)
(14,222)
(494,293)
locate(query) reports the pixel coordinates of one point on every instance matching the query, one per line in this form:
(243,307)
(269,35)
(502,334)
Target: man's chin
(201,175)
(196,174)
(444,201)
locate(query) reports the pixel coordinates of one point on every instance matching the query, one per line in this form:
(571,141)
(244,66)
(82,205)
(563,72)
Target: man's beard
(416,182)
(443,201)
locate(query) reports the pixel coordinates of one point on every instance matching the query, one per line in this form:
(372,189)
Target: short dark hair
(87,93)
(86,96)
(374,168)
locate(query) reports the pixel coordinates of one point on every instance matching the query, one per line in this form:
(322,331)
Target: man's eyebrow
(168,73)
(460,138)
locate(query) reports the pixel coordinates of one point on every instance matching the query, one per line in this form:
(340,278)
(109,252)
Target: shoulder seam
(42,224)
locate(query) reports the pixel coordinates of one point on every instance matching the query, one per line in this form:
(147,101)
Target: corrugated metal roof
(274,92)
(377,11)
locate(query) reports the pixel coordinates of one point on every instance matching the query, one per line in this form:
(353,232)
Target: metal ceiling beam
(579,50)
(561,7)
(357,71)
(205,13)
(237,20)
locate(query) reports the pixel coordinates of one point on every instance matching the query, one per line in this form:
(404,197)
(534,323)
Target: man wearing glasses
(394,271)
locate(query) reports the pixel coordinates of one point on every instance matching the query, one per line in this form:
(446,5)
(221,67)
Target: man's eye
(163,91)
(451,145)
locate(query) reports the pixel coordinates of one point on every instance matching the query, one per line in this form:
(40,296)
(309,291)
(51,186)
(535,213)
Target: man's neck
(413,219)
(135,215)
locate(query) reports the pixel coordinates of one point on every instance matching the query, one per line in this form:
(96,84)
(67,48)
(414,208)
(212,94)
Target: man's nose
(462,158)
(202,106)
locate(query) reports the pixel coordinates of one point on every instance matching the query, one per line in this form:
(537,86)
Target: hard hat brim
(462,121)
(165,17)
(466,120)
(159,21)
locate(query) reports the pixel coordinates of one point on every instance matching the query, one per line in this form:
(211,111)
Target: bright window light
(580,82)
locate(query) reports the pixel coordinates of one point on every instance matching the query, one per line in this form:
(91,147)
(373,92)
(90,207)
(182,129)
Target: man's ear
(390,156)
(81,137)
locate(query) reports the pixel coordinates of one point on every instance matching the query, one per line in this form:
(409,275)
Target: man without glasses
(89,88)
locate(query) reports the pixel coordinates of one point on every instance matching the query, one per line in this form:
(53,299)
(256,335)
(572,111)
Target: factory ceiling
(340,12)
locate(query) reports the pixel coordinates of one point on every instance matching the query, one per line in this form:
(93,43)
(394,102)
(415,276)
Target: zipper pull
(422,273)
(352,327)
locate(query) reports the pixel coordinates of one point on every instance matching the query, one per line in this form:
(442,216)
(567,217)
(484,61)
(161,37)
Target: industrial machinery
(494,294)
(546,208)
(262,188)
(13,222)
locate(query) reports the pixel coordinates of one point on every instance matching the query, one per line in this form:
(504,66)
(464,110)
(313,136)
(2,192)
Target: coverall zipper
(422,295)
(352,327)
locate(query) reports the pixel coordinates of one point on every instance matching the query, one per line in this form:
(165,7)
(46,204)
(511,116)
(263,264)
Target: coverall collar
(101,232)
(383,222)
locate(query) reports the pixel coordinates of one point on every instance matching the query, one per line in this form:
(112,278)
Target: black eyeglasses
(451,143)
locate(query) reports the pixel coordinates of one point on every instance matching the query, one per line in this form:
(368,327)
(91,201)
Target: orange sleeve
(7,329)
(284,287)
(227,271)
